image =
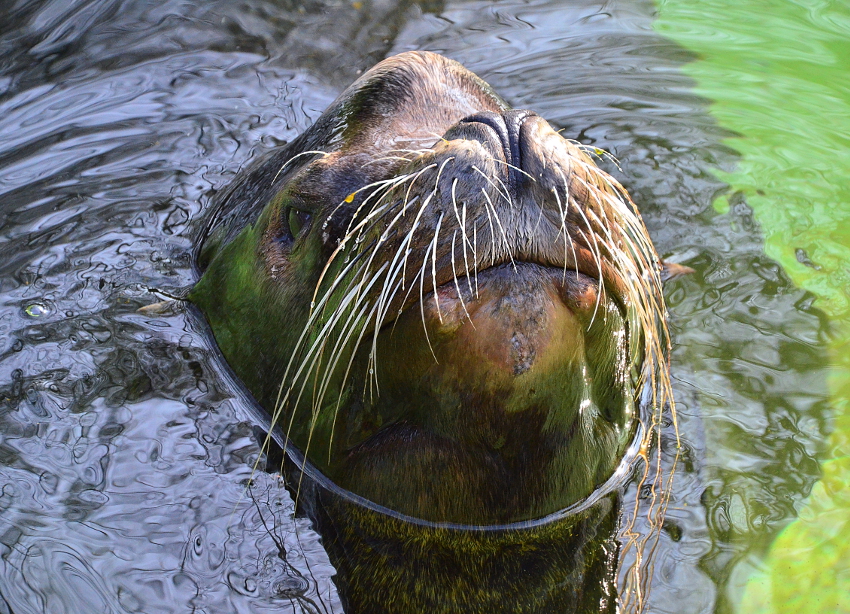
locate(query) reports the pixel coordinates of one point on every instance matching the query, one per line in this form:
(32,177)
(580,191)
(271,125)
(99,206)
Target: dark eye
(298,220)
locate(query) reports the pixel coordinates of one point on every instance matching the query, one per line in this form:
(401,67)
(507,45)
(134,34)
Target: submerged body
(443,302)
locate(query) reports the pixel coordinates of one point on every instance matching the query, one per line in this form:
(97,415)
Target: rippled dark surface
(125,446)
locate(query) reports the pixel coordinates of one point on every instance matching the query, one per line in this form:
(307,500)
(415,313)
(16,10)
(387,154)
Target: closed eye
(298,221)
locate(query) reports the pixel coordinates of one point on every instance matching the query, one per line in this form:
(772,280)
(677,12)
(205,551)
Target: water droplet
(312,304)
(36,310)
(371,372)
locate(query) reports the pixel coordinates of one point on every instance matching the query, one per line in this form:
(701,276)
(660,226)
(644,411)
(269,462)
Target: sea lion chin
(446,305)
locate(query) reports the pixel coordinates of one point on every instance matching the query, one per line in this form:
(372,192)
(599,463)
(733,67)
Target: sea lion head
(447,306)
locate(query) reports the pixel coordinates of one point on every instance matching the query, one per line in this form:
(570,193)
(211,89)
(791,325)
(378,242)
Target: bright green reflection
(779,73)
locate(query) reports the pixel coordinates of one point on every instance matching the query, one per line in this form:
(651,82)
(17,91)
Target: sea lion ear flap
(671,270)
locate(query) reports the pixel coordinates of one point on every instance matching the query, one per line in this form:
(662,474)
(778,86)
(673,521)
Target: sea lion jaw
(520,316)
(512,396)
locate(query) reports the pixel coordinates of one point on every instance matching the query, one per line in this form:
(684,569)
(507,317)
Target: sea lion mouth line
(466,287)
(437,270)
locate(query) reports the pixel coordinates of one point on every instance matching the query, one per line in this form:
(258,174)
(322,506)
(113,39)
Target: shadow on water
(125,446)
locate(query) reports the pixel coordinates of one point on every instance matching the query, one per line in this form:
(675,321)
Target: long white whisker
(295,157)
(498,189)
(457,286)
(434,266)
(501,228)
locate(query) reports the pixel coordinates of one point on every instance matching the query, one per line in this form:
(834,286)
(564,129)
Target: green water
(778,73)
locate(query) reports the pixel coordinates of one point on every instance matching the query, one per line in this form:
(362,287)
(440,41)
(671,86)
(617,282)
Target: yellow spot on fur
(350,197)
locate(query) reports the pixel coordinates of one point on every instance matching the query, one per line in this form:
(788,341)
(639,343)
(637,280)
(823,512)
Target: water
(777,73)
(125,445)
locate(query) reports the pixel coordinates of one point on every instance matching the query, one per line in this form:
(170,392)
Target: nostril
(507,126)
(513,123)
(497,123)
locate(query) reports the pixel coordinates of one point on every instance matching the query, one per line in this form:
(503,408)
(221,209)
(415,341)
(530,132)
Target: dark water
(125,447)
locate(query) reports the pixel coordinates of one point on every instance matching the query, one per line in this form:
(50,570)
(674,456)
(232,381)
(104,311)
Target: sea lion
(446,304)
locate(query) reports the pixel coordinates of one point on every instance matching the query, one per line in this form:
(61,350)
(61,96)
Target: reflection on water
(125,447)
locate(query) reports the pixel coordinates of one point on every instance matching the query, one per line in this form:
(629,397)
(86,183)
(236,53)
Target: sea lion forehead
(409,101)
